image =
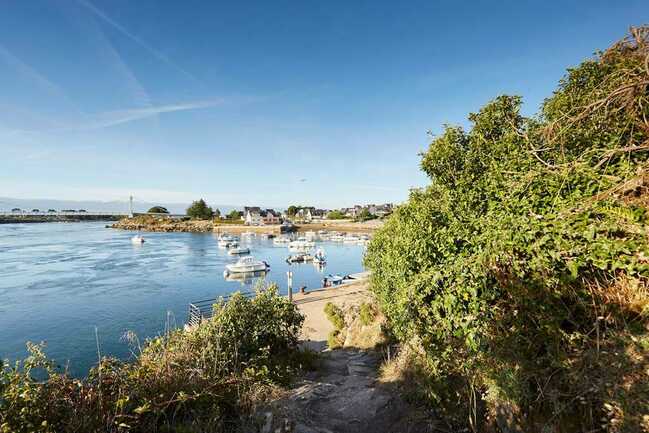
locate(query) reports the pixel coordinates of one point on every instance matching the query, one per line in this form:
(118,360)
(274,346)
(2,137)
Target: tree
(234,215)
(217,213)
(200,210)
(365,215)
(528,241)
(336,215)
(292,210)
(158,209)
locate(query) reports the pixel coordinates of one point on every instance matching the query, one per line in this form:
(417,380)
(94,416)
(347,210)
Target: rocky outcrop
(163,224)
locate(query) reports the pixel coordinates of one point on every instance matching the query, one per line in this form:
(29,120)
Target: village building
(255,216)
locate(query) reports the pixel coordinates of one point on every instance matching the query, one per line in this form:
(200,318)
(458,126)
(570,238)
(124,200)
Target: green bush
(158,209)
(334,339)
(335,315)
(522,268)
(367,313)
(365,215)
(200,210)
(190,381)
(336,215)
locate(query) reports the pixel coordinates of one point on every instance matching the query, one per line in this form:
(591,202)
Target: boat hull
(254,267)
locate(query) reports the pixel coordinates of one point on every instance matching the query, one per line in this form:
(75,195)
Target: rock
(268,423)
(345,398)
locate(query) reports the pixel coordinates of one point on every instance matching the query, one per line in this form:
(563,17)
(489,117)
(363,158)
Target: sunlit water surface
(60,281)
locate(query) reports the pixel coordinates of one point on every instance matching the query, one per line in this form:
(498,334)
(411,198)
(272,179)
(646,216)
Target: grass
(335,315)
(204,379)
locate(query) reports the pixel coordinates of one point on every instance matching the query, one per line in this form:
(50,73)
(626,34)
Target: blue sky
(272,103)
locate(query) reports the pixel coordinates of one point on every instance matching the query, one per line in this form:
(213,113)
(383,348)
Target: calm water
(60,281)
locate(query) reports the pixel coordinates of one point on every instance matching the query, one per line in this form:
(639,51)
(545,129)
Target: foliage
(334,339)
(234,215)
(190,381)
(158,209)
(335,315)
(336,215)
(292,210)
(367,313)
(217,213)
(365,215)
(522,268)
(200,210)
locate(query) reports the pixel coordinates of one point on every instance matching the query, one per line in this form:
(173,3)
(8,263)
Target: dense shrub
(336,215)
(522,268)
(365,215)
(335,315)
(367,313)
(337,318)
(191,381)
(200,210)
(158,209)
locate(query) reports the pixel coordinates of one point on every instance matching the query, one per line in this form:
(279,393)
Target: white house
(270,216)
(252,216)
(316,214)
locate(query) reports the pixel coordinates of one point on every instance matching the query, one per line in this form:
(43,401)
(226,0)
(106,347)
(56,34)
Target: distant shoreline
(162,224)
(34,219)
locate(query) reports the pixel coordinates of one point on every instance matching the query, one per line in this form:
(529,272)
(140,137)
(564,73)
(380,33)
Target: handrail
(204,309)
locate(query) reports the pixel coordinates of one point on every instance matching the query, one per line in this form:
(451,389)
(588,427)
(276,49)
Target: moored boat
(319,257)
(299,258)
(247,264)
(225,241)
(237,250)
(301,243)
(281,240)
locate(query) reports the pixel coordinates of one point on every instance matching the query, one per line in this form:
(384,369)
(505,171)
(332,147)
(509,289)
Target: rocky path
(344,396)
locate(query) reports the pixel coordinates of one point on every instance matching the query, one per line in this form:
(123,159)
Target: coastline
(167,224)
(36,219)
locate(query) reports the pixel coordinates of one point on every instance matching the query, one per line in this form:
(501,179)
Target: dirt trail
(344,394)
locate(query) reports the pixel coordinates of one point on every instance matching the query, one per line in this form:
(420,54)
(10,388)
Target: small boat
(233,251)
(247,264)
(319,257)
(225,241)
(248,234)
(335,280)
(301,243)
(310,236)
(137,240)
(350,239)
(299,258)
(281,240)
(337,237)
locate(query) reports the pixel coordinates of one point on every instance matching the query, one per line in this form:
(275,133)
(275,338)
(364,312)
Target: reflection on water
(60,280)
(246,279)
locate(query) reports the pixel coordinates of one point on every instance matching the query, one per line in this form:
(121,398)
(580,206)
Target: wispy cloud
(31,73)
(107,119)
(117,117)
(120,28)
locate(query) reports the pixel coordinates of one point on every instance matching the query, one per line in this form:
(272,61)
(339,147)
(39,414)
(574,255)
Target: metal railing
(203,310)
